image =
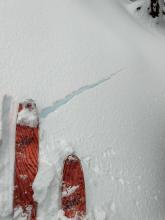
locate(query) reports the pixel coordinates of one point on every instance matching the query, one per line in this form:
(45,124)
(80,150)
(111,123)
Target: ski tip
(28,114)
(27,104)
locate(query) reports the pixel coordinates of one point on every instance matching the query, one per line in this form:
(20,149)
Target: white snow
(28,117)
(95,68)
(7,156)
(20,215)
(68,191)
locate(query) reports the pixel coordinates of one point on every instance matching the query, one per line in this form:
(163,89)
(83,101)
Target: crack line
(59,103)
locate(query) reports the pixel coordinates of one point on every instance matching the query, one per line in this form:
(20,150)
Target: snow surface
(96,71)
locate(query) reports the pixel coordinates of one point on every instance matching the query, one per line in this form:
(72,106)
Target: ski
(73,189)
(26,160)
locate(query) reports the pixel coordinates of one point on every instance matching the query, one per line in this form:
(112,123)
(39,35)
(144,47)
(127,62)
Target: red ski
(73,189)
(26,160)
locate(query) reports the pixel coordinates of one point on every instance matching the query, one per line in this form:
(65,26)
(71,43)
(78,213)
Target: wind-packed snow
(95,69)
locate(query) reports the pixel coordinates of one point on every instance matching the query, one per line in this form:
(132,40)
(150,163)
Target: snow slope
(96,72)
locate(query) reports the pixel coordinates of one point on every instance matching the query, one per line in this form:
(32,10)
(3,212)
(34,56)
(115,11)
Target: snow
(95,68)
(19,215)
(7,155)
(26,116)
(68,191)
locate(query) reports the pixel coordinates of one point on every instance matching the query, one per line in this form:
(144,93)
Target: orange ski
(73,189)
(26,160)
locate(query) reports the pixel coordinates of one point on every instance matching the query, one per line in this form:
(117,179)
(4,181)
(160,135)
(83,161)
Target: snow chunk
(72,158)
(28,115)
(24,177)
(69,191)
(60,216)
(19,213)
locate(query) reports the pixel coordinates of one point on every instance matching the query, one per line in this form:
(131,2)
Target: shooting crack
(61,102)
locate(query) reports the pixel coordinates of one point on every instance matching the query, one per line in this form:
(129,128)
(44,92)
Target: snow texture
(95,69)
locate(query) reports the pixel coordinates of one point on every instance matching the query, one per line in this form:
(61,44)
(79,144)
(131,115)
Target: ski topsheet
(26,160)
(73,189)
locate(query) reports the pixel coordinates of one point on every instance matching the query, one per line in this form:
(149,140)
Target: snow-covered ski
(73,189)
(26,160)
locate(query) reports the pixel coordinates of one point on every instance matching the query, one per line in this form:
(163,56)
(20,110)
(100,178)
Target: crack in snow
(59,103)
